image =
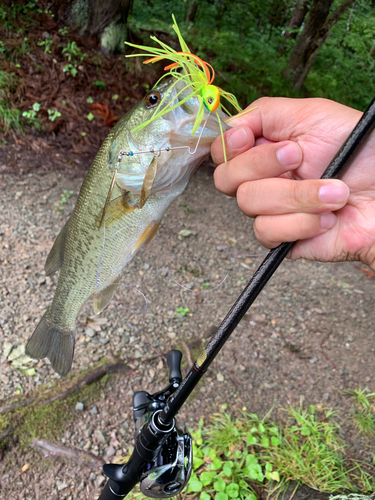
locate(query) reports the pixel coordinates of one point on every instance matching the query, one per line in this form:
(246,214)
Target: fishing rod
(162,456)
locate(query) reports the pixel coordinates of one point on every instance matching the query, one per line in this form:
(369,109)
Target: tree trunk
(105,19)
(192,10)
(298,16)
(313,36)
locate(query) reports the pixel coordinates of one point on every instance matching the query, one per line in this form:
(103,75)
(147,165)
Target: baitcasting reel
(169,472)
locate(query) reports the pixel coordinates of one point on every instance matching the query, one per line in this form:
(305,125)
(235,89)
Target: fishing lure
(194,74)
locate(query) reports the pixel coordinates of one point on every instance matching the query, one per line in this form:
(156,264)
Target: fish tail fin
(53,342)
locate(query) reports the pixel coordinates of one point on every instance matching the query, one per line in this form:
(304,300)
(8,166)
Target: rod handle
(174,364)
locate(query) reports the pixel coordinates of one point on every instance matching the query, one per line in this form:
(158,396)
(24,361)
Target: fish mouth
(169,137)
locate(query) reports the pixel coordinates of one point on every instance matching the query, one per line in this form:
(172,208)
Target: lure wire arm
(157,152)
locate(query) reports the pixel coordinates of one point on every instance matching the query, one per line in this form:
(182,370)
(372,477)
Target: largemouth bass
(101,237)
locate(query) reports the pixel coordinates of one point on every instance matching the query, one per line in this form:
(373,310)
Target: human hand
(277,182)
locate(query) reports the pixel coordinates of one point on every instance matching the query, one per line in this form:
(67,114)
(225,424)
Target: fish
(109,226)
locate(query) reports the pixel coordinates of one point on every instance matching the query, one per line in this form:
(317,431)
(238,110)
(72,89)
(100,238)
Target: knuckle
(243,196)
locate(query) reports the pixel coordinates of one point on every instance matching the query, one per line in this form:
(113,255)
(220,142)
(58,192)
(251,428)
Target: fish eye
(152,99)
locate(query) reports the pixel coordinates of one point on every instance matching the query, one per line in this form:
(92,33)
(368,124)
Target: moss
(47,421)
(113,38)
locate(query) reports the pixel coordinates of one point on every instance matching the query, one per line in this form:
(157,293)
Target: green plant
(99,84)
(90,117)
(181,312)
(205,286)
(364,409)
(73,52)
(31,116)
(187,209)
(10,116)
(234,457)
(70,68)
(64,199)
(47,43)
(64,31)
(53,114)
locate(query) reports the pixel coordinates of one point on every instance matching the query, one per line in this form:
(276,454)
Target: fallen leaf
(25,467)
(367,271)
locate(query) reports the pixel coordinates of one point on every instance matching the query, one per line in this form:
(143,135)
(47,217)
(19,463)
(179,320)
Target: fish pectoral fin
(148,181)
(116,210)
(147,235)
(56,256)
(103,298)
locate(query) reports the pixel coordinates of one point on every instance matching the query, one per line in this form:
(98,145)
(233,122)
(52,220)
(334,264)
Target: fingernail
(333,193)
(238,139)
(289,155)
(328,220)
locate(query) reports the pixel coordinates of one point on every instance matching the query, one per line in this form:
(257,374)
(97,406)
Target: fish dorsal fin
(116,210)
(103,298)
(148,181)
(56,256)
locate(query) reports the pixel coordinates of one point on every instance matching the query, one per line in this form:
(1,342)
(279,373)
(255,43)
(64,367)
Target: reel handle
(174,364)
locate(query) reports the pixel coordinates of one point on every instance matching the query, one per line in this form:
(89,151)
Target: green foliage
(364,411)
(47,44)
(234,457)
(70,68)
(66,194)
(99,84)
(181,312)
(245,44)
(31,116)
(53,114)
(73,52)
(10,117)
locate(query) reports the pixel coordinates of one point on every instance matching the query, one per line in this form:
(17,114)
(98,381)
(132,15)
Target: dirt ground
(308,337)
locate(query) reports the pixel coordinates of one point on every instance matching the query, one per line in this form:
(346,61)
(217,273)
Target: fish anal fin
(147,235)
(56,256)
(103,297)
(116,210)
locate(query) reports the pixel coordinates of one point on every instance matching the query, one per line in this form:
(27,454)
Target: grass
(237,457)
(10,117)
(364,410)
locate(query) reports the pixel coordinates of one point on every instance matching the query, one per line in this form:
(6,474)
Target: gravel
(308,337)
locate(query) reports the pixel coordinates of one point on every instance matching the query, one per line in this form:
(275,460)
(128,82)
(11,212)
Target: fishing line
(100,287)
(200,291)
(246,255)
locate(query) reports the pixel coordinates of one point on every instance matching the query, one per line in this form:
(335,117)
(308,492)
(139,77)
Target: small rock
(146,266)
(220,377)
(81,486)
(313,360)
(25,467)
(90,332)
(104,341)
(171,335)
(88,432)
(80,406)
(62,486)
(100,480)
(110,451)
(99,436)
(94,410)
(92,476)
